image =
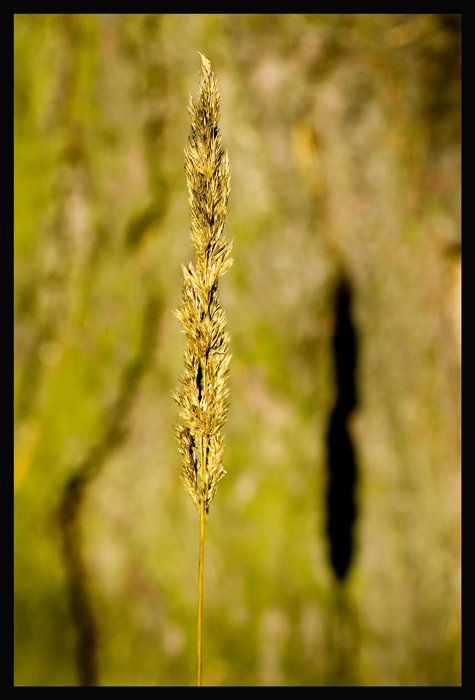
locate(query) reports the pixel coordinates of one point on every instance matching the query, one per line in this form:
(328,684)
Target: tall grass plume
(203,397)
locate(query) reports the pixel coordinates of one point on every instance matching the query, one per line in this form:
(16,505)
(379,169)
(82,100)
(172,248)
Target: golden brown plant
(203,396)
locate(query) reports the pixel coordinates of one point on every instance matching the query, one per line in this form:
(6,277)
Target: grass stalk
(203,396)
(199,645)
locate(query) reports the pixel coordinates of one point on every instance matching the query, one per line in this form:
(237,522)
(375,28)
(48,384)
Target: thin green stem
(203,481)
(200,591)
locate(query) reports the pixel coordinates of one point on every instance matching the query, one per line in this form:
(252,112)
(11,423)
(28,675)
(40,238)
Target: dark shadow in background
(342,467)
(75,492)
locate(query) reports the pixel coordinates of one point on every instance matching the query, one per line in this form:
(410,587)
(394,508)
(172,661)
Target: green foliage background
(343,134)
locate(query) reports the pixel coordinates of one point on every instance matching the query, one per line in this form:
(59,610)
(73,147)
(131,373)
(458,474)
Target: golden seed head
(203,395)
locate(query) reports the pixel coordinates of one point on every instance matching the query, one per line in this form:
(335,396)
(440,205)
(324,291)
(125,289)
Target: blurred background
(332,553)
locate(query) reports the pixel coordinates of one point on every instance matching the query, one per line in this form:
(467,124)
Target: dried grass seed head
(203,395)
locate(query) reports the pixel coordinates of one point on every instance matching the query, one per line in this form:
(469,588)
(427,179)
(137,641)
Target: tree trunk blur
(334,552)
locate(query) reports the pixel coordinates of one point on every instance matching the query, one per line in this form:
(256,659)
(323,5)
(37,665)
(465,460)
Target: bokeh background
(343,134)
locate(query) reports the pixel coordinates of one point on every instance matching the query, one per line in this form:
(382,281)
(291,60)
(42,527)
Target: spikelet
(203,396)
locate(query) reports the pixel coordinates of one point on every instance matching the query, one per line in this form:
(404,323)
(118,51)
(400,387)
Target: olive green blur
(343,133)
